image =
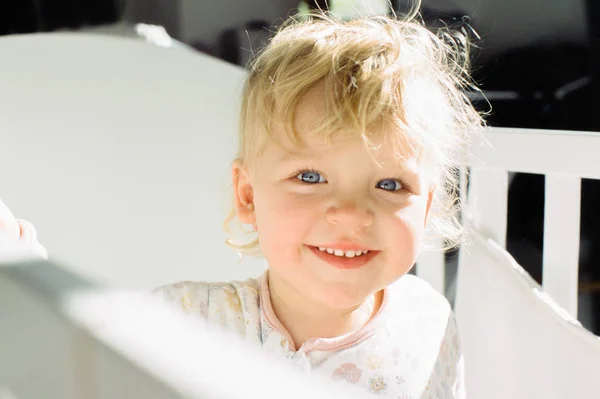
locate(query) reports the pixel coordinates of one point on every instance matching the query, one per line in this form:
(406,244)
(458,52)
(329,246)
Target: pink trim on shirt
(267,309)
(319,344)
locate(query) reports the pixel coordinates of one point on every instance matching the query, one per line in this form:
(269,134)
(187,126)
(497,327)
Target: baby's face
(319,198)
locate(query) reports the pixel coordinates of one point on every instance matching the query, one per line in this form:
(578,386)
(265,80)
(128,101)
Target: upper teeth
(339,252)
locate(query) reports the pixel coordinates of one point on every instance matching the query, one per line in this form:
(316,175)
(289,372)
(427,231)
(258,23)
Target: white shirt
(410,349)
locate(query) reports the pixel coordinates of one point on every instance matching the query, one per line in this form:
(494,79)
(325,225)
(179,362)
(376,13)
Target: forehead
(376,153)
(310,110)
(304,138)
(381,142)
(317,116)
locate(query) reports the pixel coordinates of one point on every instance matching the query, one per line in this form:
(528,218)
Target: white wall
(119,153)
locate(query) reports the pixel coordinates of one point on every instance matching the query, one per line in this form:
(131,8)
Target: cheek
(408,227)
(283,217)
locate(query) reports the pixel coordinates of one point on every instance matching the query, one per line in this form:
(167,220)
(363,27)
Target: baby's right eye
(311,177)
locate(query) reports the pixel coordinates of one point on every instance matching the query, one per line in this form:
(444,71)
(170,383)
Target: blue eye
(311,177)
(389,185)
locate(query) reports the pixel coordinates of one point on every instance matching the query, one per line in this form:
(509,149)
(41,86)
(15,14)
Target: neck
(305,319)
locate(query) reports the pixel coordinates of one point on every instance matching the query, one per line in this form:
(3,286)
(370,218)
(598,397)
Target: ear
(243,194)
(429,202)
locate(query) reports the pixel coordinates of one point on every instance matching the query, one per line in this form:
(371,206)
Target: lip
(343,262)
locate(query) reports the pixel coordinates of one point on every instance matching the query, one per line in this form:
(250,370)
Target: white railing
(62,338)
(564,157)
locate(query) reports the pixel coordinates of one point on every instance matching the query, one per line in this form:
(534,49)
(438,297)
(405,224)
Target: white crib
(521,340)
(103,145)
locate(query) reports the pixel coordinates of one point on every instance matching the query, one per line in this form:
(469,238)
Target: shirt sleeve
(447,377)
(456,359)
(458,389)
(190,297)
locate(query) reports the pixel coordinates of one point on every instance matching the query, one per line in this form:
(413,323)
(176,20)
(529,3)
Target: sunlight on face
(334,222)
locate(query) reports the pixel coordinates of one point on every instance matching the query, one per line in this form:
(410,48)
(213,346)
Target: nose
(350,215)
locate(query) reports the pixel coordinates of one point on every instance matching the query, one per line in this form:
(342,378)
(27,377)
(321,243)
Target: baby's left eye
(389,185)
(311,177)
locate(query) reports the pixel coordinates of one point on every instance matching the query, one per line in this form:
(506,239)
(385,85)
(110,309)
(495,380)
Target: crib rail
(564,157)
(102,344)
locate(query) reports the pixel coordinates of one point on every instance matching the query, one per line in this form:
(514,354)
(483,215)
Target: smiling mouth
(342,253)
(344,259)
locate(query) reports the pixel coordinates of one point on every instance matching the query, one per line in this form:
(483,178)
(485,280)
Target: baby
(350,133)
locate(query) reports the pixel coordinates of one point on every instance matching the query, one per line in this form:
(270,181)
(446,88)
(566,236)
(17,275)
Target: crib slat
(561,239)
(431,268)
(487,203)
(513,149)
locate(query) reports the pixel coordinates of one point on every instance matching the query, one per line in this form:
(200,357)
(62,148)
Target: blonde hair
(376,70)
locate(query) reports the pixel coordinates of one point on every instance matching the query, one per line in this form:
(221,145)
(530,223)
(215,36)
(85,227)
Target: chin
(343,297)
